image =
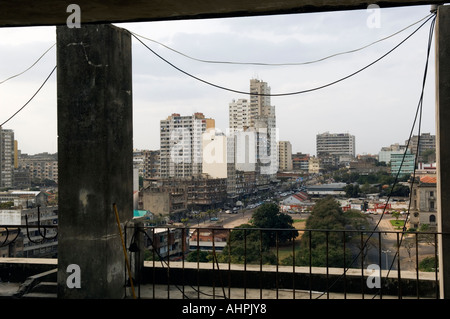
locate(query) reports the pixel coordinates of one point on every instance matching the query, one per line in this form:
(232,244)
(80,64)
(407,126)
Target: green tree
(268,216)
(324,246)
(247,244)
(351,190)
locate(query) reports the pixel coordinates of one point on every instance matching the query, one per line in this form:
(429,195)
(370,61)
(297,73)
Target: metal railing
(181,262)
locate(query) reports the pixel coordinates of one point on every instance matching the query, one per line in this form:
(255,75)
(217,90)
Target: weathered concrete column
(95,141)
(443,144)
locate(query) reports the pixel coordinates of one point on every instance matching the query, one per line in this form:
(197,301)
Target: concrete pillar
(443,144)
(95,141)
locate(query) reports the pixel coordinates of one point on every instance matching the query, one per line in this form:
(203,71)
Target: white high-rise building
(239,114)
(181,144)
(254,133)
(7,155)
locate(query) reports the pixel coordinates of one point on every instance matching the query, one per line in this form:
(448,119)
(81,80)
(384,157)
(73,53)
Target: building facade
(285,156)
(336,144)
(8,153)
(424,203)
(426,142)
(403,164)
(239,114)
(42,166)
(300,162)
(181,144)
(385,153)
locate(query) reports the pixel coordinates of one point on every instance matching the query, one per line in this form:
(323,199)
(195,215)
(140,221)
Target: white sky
(377,105)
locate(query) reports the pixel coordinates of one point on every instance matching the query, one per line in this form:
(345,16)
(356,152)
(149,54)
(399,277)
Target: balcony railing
(169,262)
(279,263)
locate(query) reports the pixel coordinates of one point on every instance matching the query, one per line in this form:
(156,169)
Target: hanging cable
(288,93)
(34,95)
(280,64)
(18,74)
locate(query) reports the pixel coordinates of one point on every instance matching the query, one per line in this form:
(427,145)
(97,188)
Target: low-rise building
(209,239)
(167,243)
(333,189)
(178,195)
(24,199)
(296,203)
(424,203)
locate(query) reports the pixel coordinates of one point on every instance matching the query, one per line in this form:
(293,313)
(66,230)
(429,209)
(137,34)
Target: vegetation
(251,245)
(428,264)
(371,183)
(255,242)
(6,205)
(325,248)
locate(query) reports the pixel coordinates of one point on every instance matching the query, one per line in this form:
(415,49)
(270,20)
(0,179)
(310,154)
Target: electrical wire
(288,93)
(281,64)
(29,68)
(32,97)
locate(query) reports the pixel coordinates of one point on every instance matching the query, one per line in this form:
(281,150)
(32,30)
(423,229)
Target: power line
(280,64)
(18,74)
(32,97)
(288,93)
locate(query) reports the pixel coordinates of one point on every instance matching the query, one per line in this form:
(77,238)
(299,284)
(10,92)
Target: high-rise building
(253,136)
(385,153)
(340,144)
(239,114)
(7,156)
(285,155)
(426,142)
(260,100)
(181,144)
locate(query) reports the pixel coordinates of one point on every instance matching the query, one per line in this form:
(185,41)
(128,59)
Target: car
(214,219)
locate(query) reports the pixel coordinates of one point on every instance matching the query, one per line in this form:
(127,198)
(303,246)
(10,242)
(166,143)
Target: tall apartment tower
(285,155)
(340,144)
(260,101)
(239,114)
(7,155)
(181,144)
(253,123)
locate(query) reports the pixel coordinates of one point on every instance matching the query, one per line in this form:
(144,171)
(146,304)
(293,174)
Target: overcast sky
(377,105)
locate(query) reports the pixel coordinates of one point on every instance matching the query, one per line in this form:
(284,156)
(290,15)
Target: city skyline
(377,106)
